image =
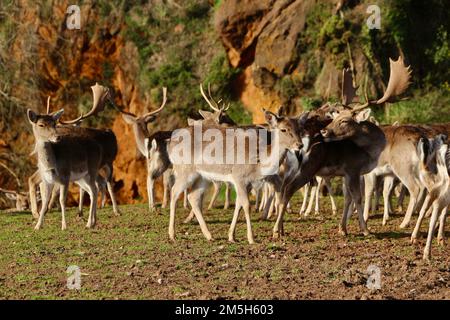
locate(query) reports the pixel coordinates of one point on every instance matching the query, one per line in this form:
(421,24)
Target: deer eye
(41,125)
(283,130)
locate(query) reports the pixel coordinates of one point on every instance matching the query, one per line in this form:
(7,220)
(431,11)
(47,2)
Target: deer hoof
(440,241)
(413,240)
(37,227)
(403,225)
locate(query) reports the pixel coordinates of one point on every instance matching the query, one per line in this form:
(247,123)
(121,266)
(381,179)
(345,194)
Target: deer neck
(140,135)
(371,139)
(46,155)
(275,153)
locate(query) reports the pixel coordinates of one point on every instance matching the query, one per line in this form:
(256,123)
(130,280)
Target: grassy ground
(130,257)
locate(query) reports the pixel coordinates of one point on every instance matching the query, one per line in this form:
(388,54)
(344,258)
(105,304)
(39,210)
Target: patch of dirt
(130,257)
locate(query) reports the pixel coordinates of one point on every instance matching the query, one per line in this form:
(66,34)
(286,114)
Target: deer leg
(437,208)
(312,196)
(331,193)
(62,202)
(257,194)
(414,190)
(216,186)
(53,198)
(369,189)
(305,199)
(80,203)
(426,205)
(46,189)
(355,190)
(195,198)
(401,198)
(441,232)
(150,192)
(387,188)
(167,184)
(185,202)
(190,216)
(88,184)
(319,185)
(33,181)
(181,184)
(347,210)
(109,186)
(287,192)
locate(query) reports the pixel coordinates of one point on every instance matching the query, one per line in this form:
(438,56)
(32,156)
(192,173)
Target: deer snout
(325,133)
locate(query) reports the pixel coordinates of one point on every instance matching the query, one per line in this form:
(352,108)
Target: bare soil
(130,257)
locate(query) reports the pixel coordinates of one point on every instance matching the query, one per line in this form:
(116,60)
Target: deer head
(287,131)
(347,118)
(141,122)
(44,125)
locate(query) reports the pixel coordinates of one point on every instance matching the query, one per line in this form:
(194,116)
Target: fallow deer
(144,140)
(434,174)
(349,146)
(65,156)
(195,174)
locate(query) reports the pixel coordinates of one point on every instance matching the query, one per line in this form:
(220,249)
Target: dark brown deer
(349,146)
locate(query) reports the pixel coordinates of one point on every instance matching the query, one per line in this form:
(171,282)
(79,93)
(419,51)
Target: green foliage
(220,75)
(310,103)
(334,35)
(431,107)
(172,74)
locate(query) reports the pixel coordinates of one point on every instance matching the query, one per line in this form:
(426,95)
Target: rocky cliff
(255,53)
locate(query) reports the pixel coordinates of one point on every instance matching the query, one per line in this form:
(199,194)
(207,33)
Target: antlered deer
(68,157)
(349,146)
(196,175)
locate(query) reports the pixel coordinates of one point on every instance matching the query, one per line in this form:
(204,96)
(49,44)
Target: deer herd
(339,139)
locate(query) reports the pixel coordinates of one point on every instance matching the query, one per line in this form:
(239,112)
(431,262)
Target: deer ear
(191,122)
(303,118)
(271,118)
(128,118)
(362,115)
(56,115)
(206,114)
(32,116)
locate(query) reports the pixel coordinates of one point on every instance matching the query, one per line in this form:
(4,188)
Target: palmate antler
(399,80)
(348,92)
(211,102)
(100,94)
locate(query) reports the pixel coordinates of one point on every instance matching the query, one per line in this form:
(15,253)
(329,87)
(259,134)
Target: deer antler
(48,105)
(399,80)
(147,116)
(100,94)
(8,191)
(348,92)
(213,104)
